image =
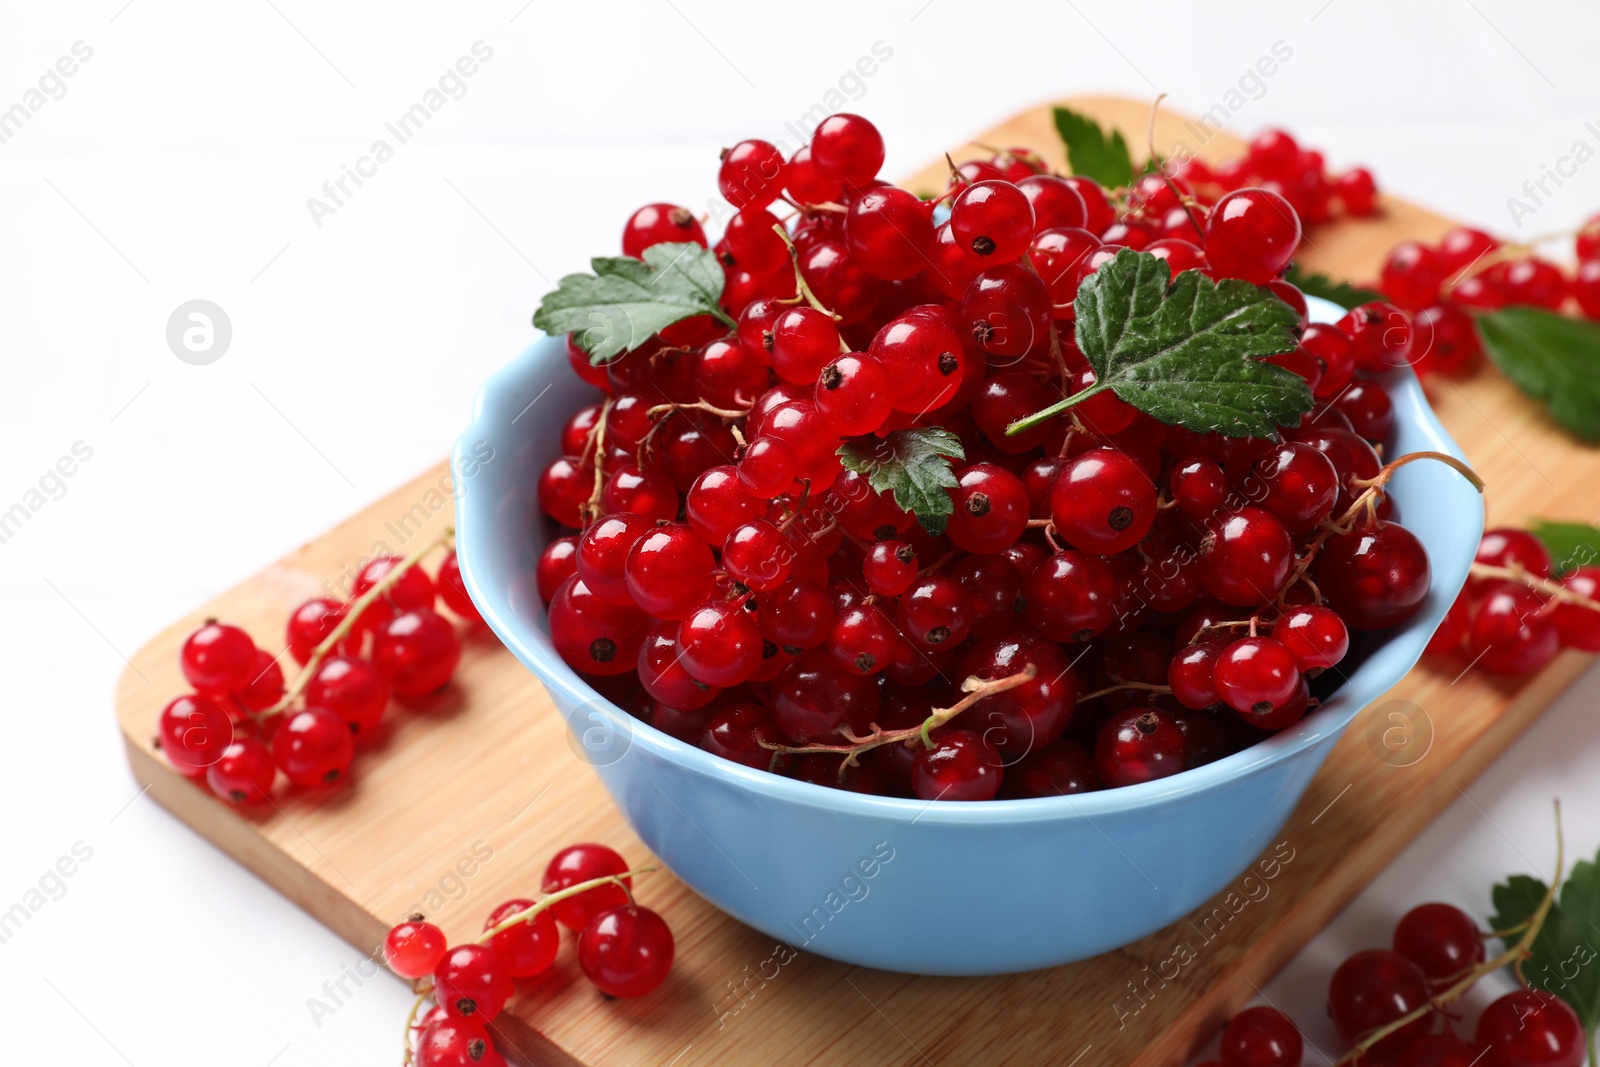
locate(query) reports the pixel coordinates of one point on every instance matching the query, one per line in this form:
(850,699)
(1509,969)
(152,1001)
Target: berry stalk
(557,897)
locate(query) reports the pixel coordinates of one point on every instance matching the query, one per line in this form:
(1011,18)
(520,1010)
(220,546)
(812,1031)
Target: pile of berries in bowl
(990,532)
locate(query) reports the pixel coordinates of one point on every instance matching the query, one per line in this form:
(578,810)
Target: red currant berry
(1030,715)
(855,394)
(218,658)
(737,733)
(1056,202)
(668,571)
(472,981)
(626,951)
(798,616)
(1440,939)
(1058,256)
(922,354)
(414,948)
(1512,632)
(416,652)
(563,490)
(993,220)
(311,623)
(451,1042)
(961,765)
(265,687)
(603,555)
(1071,596)
(594,636)
(1103,501)
(751,175)
(557,563)
(814,697)
(1462,247)
(719,643)
(1578,626)
(194,733)
(1535,283)
(352,689)
(1380,336)
(1008,310)
(890,567)
(313,747)
(847,148)
(1532,1028)
(1440,1050)
(1298,484)
(1368,407)
(1061,768)
(1315,636)
(717,503)
(664,676)
(529,947)
(991,509)
(1192,675)
(1374,988)
(1256,675)
(453,590)
(1252,234)
(1357,191)
(1245,557)
(650,495)
(244,773)
(1375,577)
(1413,274)
(1331,349)
(413,589)
(935,613)
(1506,546)
(583,863)
(806,182)
(1139,745)
(889,233)
(758,555)
(1261,1037)
(658,223)
(767,468)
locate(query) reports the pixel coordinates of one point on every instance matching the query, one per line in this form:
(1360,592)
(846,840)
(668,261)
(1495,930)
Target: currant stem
(563,894)
(699,405)
(411,1022)
(1552,589)
(1512,957)
(976,689)
(353,614)
(799,279)
(597,437)
(1028,422)
(1147,687)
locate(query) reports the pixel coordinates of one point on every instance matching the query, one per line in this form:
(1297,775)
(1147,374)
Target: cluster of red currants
(1514,615)
(1437,948)
(624,949)
(1275,161)
(240,726)
(766,599)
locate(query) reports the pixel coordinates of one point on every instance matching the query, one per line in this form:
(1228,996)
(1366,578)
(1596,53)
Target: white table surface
(175,164)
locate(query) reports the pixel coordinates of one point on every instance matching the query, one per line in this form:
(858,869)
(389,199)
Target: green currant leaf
(625,301)
(1566,952)
(912,464)
(1188,353)
(1552,358)
(1342,293)
(1091,152)
(1571,544)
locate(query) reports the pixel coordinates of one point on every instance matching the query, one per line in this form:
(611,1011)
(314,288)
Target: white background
(177,166)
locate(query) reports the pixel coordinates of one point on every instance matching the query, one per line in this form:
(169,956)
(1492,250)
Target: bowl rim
(534,649)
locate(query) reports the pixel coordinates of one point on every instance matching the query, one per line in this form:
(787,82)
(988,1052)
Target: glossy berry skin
(991,509)
(1380,336)
(890,567)
(1576,625)
(591,635)
(351,688)
(922,353)
(1375,577)
(1198,486)
(529,947)
(660,224)
(757,555)
(814,697)
(1256,675)
(1506,546)
(1532,1028)
(1245,557)
(413,589)
(664,677)
(798,616)
(311,623)
(563,491)
(1061,768)
(1512,633)
(218,658)
(935,613)
(751,175)
(1251,234)
(806,182)
(448,1041)
(472,981)
(313,747)
(416,652)
(668,571)
(1368,407)
(1261,1037)
(1071,596)
(889,233)
(1374,988)
(1008,310)
(265,687)
(961,765)
(1139,745)
(626,951)
(582,863)
(1298,484)
(1003,399)
(864,640)
(650,495)
(847,148)
(244,773)
(557,563)
(719,643)
(1057,204)
(1441,940)
(1103,501)
(1357,191)
(716,503)
(1192,675)
(767,467)
(854,393)
(1413,274)
(414,948)
(737,733)
(453,590)
(194,732)
(993,220)
(1331,349)
(1033,714)
(1315,636)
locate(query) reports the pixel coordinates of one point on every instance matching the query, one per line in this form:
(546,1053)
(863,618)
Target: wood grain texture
(461,803)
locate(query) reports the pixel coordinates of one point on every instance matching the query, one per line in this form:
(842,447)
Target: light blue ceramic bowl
(948,888)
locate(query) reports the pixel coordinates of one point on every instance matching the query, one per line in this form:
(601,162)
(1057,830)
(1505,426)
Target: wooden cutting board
(464,800)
